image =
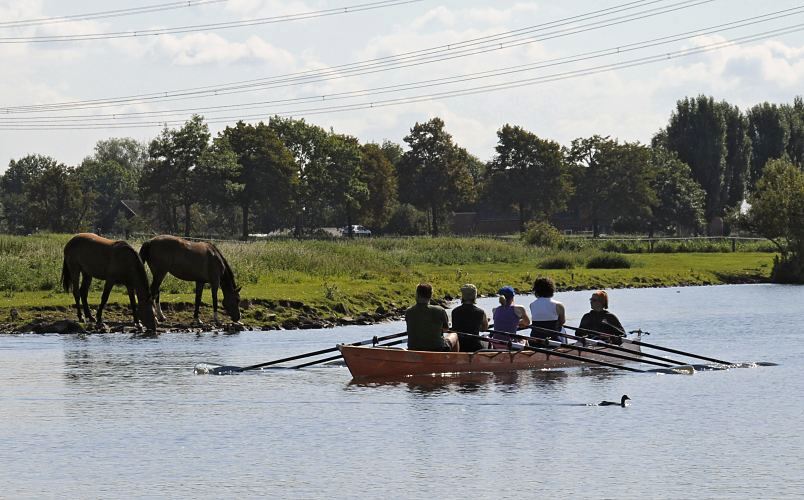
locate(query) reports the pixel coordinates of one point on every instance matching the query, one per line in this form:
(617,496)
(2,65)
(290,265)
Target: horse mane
(228,274)
(140,270)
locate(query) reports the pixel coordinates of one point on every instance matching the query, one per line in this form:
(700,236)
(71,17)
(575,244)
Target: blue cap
(508,291)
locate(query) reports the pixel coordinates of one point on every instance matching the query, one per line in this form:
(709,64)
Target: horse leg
(133,301)
(107,289)
(75,278)
(199,288)
(86,280)
(155,285)
(214,287)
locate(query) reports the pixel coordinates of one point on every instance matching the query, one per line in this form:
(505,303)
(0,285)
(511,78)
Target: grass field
(285,281)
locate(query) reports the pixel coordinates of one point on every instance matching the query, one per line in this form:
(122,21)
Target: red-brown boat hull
(381,362)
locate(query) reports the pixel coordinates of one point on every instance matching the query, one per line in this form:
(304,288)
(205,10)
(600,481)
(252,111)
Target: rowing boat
(380,362)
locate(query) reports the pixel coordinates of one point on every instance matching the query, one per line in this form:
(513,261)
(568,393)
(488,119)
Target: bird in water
(612,403)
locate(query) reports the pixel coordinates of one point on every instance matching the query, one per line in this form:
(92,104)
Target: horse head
(231,302)
(145,311)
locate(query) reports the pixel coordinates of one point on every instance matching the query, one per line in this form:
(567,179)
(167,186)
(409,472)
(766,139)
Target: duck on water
(612,403)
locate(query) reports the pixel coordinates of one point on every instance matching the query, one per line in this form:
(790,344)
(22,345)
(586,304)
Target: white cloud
(204,48)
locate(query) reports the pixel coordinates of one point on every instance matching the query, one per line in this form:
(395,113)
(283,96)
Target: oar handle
(322,351)
(609,345)
(653,346)
(587,349)
(562,354)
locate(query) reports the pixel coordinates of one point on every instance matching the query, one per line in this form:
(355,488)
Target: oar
(565,355)
(587,349)
(229,369)
(607,345)
(652,346)
(339,356)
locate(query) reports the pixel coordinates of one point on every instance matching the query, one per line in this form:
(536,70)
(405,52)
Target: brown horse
(114,261)
(201,262)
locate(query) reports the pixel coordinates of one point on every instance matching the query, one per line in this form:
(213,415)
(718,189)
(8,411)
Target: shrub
(608,261)
(557,262)
(542,234)
(407,220)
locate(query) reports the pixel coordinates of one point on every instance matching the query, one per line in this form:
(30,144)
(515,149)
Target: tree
(347,190)
(379,175)
(266,176)
(37,192)
(777,213)
(769,133)
(54,199)
(433,174)
(528,172)
(105,183)
(738,156)
(697,134)
(167,181)
(125,151)
(612,181)
(795,120)
(309,146)
(679,199)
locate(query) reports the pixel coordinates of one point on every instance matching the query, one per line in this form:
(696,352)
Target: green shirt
(425,327)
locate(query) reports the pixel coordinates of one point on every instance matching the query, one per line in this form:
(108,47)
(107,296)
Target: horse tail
(145,252)
(66,280)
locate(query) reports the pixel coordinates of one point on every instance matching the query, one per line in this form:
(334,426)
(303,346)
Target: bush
(787,271)
(407,221)
(557,262)
(542,234)
(608,261)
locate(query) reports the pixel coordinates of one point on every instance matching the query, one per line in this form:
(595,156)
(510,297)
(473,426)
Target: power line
(641,61)
(616,50)
(412,58)
(91,16)
(206,27)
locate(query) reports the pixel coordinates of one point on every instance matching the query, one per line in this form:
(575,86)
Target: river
(109,416)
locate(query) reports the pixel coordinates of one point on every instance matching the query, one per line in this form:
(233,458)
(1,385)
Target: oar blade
(213,369)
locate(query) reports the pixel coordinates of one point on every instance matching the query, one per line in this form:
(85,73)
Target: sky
(372,69)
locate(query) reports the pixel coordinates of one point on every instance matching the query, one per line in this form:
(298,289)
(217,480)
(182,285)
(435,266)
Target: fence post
(651,245)
(734,244)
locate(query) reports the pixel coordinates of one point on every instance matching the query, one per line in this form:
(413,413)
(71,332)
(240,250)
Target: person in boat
(427,324)
(508,317)
(546,312)
(600,319)
(468,318)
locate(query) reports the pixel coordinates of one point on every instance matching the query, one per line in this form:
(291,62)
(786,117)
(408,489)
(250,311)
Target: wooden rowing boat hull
(380,362)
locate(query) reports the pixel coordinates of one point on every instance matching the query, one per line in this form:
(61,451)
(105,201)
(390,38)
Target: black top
(468,318)
(594,320)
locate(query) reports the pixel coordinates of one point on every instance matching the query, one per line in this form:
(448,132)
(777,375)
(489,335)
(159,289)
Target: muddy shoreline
(257,315)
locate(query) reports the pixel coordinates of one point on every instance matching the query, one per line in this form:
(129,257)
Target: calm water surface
(107,416)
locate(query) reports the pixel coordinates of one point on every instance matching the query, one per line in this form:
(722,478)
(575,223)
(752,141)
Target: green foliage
(560,261)
(679,199)
(379,175)
(777,213)
(407,220)
(542,234)
(529,173)
(697,134)
(434,173)
(769,133)
(612,181)
(608,261)
(263,175)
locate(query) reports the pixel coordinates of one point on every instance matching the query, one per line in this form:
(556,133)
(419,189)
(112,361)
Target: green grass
(360,276)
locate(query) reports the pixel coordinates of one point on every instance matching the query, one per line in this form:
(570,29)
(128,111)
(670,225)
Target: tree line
(290,174)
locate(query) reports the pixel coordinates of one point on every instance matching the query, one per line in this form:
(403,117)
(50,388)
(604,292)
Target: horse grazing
(114,261)
(201,262)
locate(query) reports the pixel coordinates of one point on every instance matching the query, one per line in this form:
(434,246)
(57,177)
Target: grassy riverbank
(317,283)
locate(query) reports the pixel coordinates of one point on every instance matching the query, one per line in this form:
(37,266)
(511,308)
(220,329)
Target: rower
(612,403)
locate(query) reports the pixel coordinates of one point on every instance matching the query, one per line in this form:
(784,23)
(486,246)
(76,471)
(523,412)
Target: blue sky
(628,103)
